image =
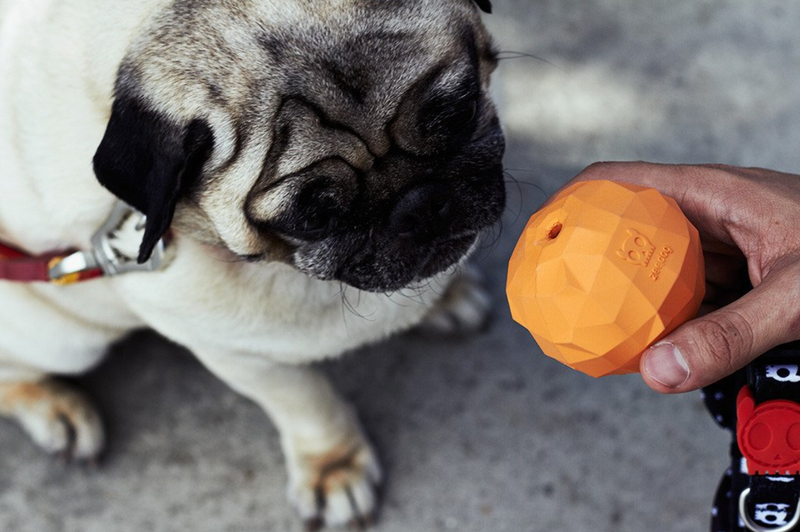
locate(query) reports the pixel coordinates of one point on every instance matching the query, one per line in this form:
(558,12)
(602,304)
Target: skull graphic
(636,249)
(772,514)
(768,434)
(787,373)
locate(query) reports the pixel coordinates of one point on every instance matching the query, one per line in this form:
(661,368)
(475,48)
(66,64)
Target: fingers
(676,181)
(734,209)
(711,347)
(697,189)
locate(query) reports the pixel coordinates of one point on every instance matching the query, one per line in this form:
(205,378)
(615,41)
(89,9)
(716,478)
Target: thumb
(709,348)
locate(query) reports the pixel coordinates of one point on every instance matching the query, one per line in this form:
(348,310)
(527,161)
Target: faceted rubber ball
(603,272)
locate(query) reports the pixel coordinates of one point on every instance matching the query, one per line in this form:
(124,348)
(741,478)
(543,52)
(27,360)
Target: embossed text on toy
(661,260)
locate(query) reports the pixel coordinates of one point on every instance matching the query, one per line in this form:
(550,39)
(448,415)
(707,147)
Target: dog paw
(464,308)
(336,489)
(58,418)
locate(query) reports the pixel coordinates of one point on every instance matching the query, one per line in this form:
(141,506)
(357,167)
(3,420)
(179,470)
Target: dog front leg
(59,418)
(333,469)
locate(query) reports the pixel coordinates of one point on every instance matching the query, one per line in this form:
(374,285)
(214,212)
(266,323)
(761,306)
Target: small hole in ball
(554,231)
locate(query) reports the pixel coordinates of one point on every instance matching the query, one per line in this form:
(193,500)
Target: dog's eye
(463,115)
(314,215)
(317,222)
(313,225)
(451,119)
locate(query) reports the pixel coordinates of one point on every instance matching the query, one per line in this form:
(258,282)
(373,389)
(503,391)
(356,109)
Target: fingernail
(665,365)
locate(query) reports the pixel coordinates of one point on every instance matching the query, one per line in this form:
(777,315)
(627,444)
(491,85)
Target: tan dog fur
(255,325)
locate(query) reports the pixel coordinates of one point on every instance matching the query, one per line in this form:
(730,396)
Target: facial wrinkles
(310,141)
(225,193)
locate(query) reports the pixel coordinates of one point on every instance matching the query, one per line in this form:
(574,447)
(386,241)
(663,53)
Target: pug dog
(303,156)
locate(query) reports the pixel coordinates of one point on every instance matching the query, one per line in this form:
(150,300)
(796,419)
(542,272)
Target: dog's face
(354,139)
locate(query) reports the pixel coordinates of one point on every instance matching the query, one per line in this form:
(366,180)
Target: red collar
(68,267)
(22,267)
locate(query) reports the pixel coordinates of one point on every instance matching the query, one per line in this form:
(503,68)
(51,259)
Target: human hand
(749,223)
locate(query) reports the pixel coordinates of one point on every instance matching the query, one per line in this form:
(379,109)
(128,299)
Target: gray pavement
(482,434)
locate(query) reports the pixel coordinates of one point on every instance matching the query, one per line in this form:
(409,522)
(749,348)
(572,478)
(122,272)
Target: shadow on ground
(480,434)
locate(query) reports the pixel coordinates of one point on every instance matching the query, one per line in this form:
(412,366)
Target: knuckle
(597,170)
(724,338)
(615,170)
(596,166)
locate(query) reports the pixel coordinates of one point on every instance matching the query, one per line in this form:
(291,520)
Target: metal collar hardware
(103,255)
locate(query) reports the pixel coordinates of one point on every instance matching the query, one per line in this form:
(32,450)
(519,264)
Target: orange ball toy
(603,272)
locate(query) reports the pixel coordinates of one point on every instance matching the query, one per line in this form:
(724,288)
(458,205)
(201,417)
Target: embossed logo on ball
(636,249)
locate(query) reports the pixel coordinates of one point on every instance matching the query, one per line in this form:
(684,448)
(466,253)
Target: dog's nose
(424,211)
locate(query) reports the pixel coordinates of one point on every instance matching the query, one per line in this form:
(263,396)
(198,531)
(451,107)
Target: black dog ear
(485,5)
(150,162)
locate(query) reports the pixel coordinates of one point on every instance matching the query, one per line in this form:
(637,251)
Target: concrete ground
(482,434)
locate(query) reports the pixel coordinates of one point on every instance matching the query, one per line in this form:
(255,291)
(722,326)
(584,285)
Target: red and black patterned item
(18,266)
(768,434)
(760,406)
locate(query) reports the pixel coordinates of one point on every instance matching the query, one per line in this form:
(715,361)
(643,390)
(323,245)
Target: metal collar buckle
(103,256)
